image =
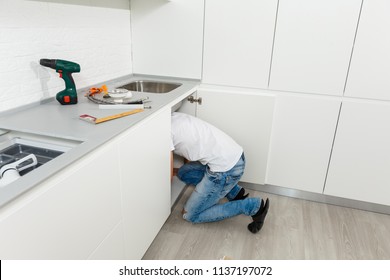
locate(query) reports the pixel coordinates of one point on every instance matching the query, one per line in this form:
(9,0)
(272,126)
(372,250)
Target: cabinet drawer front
(313,45)
(301,142)
(247,117)
(238,42)
(360,164)
(370,65)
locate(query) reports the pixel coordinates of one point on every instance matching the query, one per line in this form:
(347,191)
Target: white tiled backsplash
(95,34)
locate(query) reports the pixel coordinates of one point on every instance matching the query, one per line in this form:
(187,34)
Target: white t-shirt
(197,140)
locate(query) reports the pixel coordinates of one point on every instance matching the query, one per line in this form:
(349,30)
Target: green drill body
(65,68)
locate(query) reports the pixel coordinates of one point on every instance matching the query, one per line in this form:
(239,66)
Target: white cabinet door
(313,44)
(370,66)
(67,216)
(145,175)
(245,115)
(301,141)
(167,37)
(360,164)
(238,42)
(188,107)
(112,247)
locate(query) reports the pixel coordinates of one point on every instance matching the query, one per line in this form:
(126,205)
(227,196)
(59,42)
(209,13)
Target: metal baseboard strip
(317,197)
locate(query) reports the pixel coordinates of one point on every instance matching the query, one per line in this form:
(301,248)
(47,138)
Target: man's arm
(172,166)
(173,169)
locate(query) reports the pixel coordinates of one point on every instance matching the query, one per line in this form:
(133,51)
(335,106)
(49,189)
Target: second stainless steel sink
(151,86)
(19,151)
(16,145)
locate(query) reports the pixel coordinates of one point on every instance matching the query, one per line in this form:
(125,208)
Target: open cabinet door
(245,115)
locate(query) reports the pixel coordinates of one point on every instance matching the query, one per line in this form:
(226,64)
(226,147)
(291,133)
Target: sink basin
(15,145)
(151,86)
(18,151)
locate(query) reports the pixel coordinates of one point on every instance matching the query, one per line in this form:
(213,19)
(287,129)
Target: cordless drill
(65,68)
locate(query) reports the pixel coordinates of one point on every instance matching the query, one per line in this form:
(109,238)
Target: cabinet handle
(193,99)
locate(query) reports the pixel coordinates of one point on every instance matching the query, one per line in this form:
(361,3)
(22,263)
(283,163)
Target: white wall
(95,34)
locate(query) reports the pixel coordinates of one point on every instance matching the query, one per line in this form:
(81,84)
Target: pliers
(95,90)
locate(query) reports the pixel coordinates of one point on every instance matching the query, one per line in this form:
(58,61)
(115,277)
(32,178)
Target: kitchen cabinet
(68,215)
(167,37)
(105,198)
(145,179)
(301,141)
(370,64)
(112,247)
(238,39)
(246,115)
(313,45)
(360,163)
(108,205)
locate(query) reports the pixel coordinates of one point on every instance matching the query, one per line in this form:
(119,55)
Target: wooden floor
(294,229)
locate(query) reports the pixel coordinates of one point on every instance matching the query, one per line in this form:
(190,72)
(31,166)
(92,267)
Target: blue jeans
(204,203)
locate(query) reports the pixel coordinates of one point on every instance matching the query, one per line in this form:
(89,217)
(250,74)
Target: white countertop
(62,121)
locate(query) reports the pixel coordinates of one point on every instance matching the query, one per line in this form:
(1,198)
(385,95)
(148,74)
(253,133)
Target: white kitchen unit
(313,45)
(104,198)
(370,65)
(108,205)
(360,164)
(246,115)
(69,215)
(301,142)
(144,155)
(238,39)
(167,37)
(112,247)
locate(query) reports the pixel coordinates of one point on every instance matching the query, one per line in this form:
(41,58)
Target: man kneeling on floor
(215,165)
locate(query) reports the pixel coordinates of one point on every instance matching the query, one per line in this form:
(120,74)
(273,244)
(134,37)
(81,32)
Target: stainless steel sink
(18,151)
(16,145)
(151,86)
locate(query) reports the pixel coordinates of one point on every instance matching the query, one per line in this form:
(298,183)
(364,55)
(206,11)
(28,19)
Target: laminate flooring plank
(317,235)
(294,229)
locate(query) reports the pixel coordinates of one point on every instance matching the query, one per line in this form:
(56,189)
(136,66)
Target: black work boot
(241,195)
(259,217)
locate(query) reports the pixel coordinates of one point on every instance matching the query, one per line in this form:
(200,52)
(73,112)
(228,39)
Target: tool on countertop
(107,102)
(65,68)
(135,104)
(139,101)
(95,90)
(96,120)
(123,106)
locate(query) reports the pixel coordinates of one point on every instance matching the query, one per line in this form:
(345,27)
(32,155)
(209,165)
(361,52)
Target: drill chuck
(51,63)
